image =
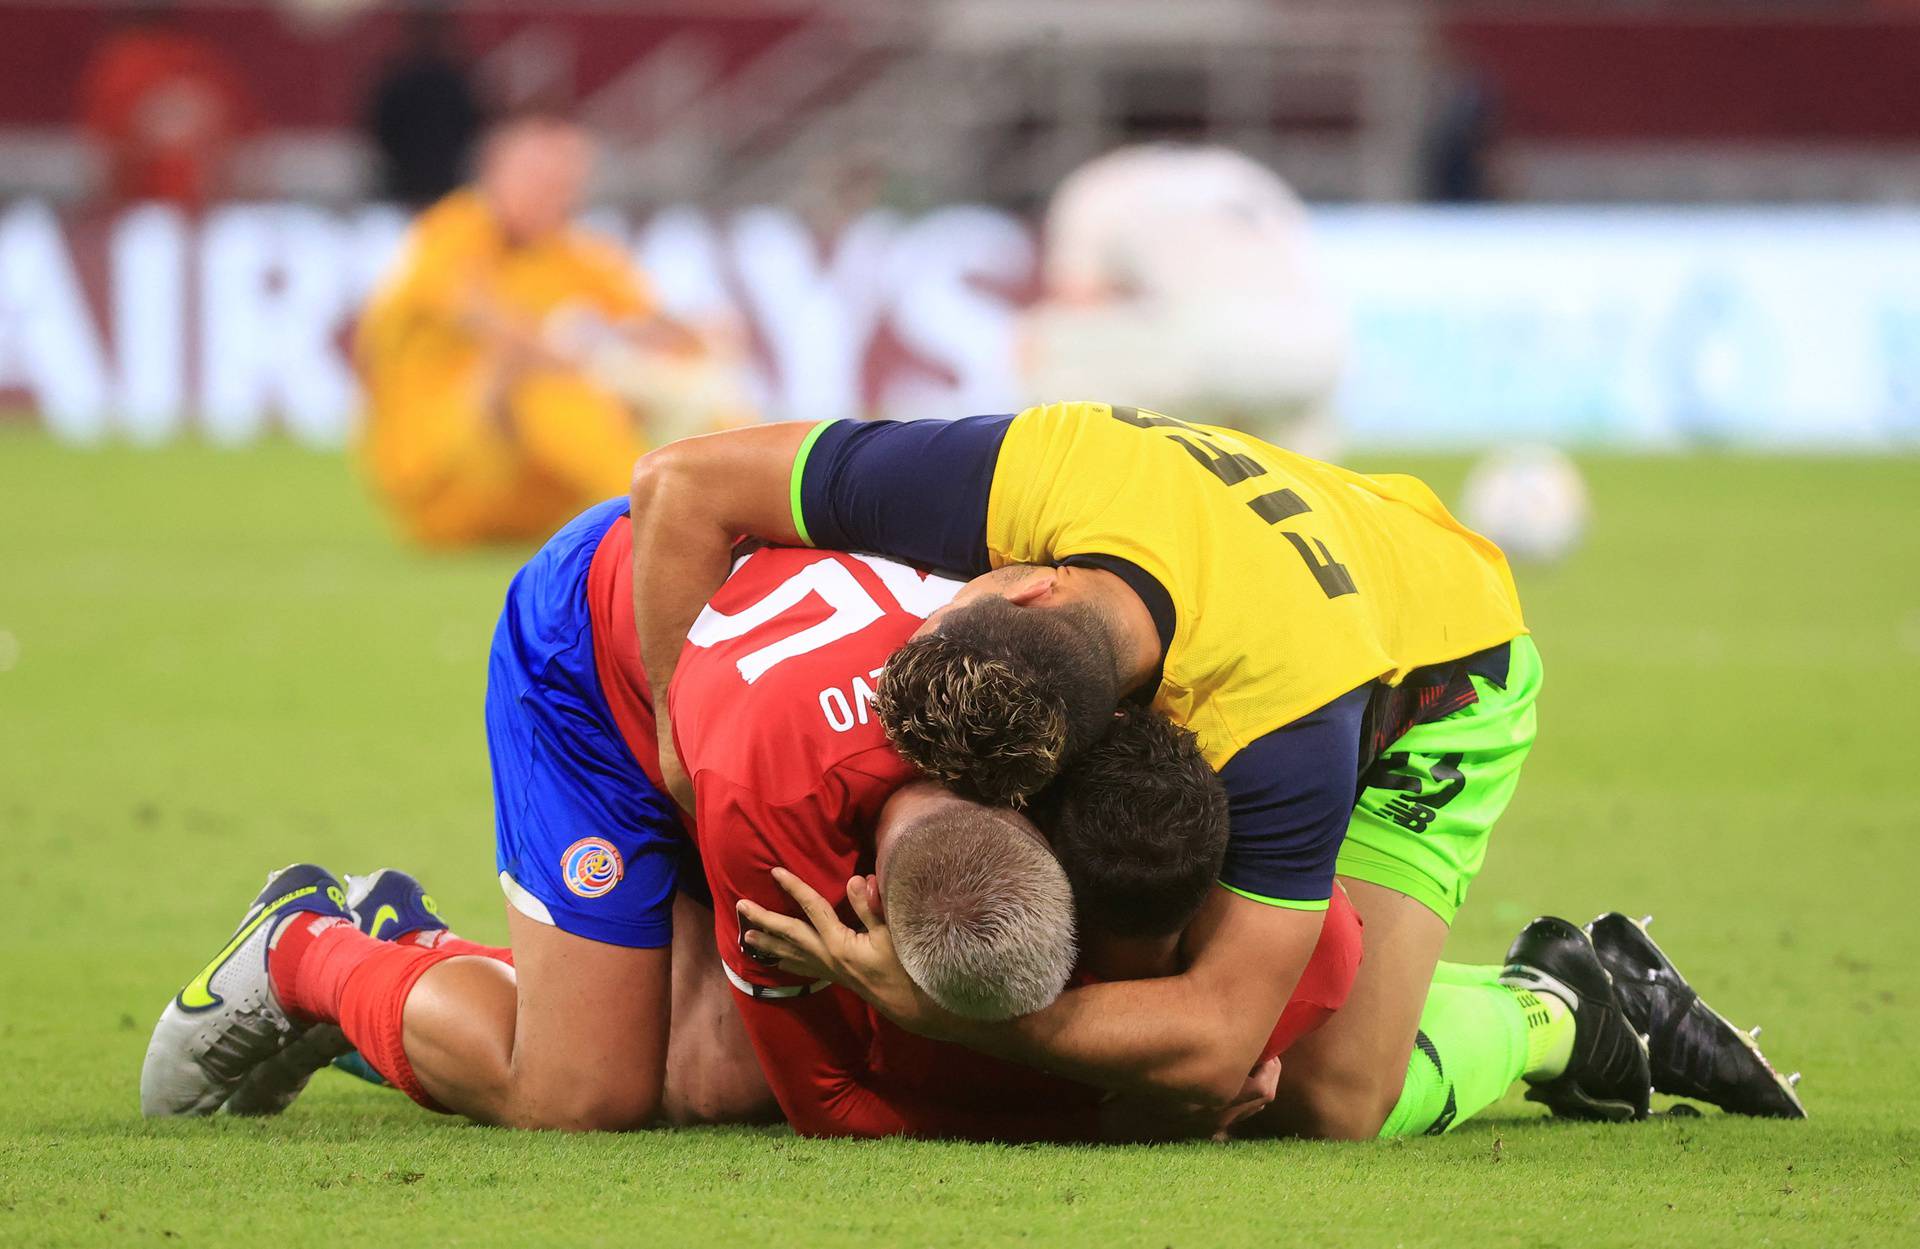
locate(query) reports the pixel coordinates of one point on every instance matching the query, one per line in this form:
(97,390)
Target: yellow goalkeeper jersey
(1288,582)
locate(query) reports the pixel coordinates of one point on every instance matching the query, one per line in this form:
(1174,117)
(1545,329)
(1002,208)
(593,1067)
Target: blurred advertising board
(1626,328)
(1629,327)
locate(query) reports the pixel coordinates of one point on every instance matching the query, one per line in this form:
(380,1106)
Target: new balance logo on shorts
(1409,814)
(1414,808)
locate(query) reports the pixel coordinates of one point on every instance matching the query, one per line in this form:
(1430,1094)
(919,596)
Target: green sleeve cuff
(799,475)
(1290,904)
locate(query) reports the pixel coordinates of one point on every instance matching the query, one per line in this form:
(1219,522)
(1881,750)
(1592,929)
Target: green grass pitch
(212,663)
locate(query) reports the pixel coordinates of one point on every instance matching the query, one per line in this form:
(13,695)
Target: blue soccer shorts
(584,840)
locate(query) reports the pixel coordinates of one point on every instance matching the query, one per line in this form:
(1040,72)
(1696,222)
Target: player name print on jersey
(849,708)
(795,640)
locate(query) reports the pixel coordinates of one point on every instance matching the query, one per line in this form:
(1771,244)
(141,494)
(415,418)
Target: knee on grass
(1349,1107)
(722,1097)
(608,1108)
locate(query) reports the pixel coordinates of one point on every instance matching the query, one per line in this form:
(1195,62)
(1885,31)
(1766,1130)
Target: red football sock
(323,968)
(293,973)
(444,939)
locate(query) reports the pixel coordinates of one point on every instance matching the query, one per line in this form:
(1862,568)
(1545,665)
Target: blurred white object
(1165,218)
(677,395)
(1530,500)
(674,394)
(1180,278)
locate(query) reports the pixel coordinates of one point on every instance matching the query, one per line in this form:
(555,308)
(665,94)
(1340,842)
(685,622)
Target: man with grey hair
(981,911)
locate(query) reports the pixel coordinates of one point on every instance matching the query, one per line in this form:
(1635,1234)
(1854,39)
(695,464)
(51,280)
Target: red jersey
(773,717)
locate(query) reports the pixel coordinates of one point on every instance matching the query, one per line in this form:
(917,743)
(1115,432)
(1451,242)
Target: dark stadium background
(737,133)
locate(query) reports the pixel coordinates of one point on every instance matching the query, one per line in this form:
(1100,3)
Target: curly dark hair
(1140,824)
(996,701)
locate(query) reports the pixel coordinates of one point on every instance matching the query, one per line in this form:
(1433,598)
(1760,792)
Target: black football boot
(1694,1050)
(1608,1076)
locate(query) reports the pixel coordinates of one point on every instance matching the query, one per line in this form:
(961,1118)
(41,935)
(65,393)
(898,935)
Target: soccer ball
(1532,501)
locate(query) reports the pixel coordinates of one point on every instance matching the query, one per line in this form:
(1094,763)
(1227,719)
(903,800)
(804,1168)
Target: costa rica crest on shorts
(592,867)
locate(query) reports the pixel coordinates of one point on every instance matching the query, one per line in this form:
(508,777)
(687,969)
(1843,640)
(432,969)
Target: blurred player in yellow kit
(515,366)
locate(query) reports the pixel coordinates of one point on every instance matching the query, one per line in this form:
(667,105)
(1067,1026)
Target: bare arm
(665,333)
(1194,1036)
(691,499)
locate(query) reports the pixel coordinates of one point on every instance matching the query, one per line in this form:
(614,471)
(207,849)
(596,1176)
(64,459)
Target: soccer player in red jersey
(590,855)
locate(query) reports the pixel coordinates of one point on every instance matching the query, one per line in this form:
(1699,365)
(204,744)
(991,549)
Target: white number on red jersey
(852,609)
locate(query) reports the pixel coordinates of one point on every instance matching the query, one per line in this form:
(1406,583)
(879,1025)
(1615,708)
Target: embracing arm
(913,490)
(1192,1037)
(1290,797)
(691,499)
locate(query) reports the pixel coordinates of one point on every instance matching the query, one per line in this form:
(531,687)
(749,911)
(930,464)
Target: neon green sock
(1477,1036)
(1549,1020)
(1549,1033)
(1465,973)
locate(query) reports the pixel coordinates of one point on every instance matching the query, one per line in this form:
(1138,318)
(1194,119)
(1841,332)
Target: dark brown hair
(1140,824)
(996,701)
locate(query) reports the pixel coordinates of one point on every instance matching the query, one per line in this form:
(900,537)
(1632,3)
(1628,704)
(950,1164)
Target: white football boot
(226,1021)
(386,905)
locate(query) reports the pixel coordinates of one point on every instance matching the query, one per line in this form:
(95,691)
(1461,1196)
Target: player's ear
(1032,590)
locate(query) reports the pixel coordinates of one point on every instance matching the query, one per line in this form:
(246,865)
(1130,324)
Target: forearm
(1170,1038)
(690,500)
(1192,1037)
(680,557)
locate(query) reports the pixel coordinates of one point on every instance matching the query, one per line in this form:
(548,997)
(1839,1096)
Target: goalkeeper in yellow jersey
(515,365)
(1354,664)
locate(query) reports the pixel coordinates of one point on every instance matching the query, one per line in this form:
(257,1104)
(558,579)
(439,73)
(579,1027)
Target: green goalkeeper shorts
(1428,807)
